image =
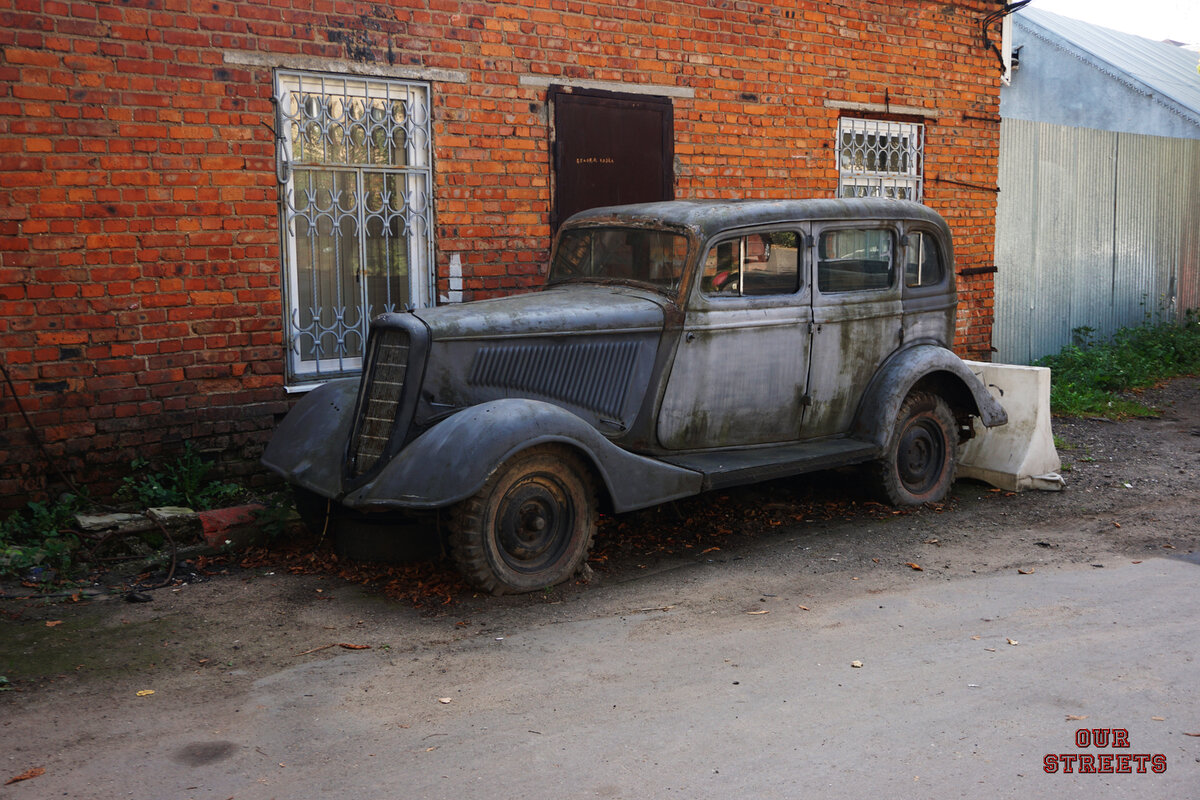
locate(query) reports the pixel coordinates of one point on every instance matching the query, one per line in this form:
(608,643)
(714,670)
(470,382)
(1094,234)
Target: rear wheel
(918,466)
(531,524)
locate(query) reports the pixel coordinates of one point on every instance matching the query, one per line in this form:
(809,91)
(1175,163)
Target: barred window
(354,164)
(880,159)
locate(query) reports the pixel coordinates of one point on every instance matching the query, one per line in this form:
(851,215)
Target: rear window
(923,264)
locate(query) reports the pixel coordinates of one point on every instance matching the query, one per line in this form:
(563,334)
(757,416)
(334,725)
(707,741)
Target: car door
(857,314)
(740,372)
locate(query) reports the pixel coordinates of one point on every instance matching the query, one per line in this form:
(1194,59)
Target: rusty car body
(676,347)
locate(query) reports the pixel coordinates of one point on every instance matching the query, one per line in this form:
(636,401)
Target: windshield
(652,257)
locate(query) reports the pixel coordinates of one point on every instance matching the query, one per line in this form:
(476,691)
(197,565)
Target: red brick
(134,152)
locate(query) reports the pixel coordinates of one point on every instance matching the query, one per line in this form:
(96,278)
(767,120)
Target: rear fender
(452,460)
(928,367)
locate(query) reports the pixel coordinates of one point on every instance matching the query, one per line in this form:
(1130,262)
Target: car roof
(711,217)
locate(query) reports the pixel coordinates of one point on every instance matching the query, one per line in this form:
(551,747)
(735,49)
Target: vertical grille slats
(385,386)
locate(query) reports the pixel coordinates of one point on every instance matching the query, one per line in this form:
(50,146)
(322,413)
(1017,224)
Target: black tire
(918,466)
(316,512)
(530,526)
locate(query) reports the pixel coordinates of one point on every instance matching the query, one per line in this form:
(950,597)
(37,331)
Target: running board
(725,468)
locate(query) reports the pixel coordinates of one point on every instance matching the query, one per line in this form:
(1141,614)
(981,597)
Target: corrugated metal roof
(1156,67)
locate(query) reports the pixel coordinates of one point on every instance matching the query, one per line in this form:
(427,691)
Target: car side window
(754,264)
(854,260)
(923,265)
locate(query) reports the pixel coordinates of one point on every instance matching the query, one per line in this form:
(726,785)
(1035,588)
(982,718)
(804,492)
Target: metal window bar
(354,161)
(877,158)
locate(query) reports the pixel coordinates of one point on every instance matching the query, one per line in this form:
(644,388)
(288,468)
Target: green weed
(40,535)
(182,482)
(1089,377)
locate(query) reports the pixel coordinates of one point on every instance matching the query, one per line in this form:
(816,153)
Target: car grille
(381,394)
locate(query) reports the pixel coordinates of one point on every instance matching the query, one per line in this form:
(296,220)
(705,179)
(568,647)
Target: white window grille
(354,164)
(881,159)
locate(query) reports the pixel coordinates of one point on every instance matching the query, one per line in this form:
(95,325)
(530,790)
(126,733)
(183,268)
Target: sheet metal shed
(1098,220)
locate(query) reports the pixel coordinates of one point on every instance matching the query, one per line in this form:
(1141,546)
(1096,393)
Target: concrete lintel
(882,108)
(657,89)
(316,64)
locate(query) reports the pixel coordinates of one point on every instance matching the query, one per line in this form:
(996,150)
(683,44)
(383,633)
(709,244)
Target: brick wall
(140,298)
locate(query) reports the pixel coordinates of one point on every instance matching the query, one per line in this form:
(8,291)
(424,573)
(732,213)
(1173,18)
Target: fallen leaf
(1076,717)
(856,664)
(976,638)
(756,613)
(36,772)
(1168,547)
(802,608)
(1185,733)
(445,700)
(354,646)
(915,566)
(990,649)
(53,623)
(932,541)
(1013,642)
(1159,719)
(145,692)
(710,550)
(1135,562)
(1029,571)
(1116,524)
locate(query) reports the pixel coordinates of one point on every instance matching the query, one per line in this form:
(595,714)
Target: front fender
(935,366)
(308,447)
(452,460)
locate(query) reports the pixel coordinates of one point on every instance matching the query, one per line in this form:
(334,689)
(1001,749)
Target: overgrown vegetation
(44,534)
(1092,378)
(183,482)
(41,535)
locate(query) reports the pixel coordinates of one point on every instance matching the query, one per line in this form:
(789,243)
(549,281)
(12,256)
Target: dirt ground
(76,668)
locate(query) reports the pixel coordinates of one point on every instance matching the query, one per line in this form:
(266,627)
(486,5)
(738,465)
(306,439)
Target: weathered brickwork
(140,297)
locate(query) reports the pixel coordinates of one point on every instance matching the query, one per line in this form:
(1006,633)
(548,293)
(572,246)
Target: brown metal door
(610,149)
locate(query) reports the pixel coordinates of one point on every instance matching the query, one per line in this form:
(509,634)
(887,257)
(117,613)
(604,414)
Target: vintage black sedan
(676,347)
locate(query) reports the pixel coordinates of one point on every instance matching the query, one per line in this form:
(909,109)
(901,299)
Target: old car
(675,348)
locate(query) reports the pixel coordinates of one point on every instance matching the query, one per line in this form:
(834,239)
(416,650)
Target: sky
(1154,19)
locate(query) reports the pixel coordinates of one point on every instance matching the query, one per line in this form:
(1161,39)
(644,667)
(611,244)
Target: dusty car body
(676,347)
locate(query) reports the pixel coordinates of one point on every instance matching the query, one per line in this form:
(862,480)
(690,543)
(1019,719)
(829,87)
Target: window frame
(859,174)
(348,328)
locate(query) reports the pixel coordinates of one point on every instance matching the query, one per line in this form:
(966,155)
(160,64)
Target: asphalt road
(642,691)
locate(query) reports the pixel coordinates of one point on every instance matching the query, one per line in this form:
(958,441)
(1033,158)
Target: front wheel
(530,526)
(918,466)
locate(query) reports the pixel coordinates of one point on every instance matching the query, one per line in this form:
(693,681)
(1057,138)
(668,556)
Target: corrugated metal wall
(1093,228)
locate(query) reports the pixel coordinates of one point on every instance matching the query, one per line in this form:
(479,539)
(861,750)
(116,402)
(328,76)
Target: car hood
(555,311)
